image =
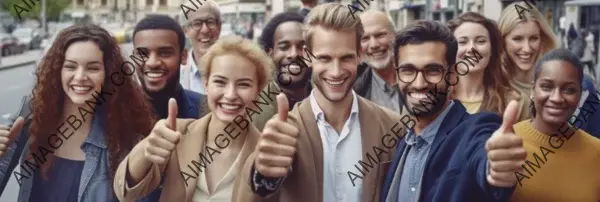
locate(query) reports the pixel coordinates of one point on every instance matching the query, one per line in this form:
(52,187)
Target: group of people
(326,107)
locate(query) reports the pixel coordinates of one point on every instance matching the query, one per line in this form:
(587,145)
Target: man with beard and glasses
(377,77)
(313,152)
(203,29)
(161,40)
(282,39)
(449,154)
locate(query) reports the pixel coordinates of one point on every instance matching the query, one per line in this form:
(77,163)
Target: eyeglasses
(431,74)
(210,23)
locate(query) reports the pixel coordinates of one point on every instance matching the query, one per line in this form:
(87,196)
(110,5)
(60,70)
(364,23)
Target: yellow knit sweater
(564,167)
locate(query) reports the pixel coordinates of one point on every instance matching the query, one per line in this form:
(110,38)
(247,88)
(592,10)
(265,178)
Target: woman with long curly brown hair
(484,87)
(87,114)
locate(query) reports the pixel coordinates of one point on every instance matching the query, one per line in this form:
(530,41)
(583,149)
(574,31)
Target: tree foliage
(31,9)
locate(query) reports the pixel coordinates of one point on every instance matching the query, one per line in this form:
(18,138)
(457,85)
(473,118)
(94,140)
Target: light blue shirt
(190,77)
(417,149)
(340,153)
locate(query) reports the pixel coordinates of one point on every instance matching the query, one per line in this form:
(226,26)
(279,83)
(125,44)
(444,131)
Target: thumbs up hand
(277,143)
(8,134)
(505,150)
(163,138)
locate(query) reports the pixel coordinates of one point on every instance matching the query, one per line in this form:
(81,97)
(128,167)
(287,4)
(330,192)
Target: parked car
(29,37)
(10,45)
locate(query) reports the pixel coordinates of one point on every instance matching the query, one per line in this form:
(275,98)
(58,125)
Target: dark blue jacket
(189,104)
(456,166)
(589,121)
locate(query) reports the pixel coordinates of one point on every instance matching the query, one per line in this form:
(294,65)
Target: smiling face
(473,35)
(164,57)
(523,44)
(289,44)
(203,35)
(376,42)
(334,69)
(232,86)
(557,92)
(419,96)
(82,73)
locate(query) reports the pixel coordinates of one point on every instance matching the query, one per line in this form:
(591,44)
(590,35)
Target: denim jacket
(95,183)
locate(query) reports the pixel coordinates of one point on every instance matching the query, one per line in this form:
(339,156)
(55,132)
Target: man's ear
(184,56)
(270,52)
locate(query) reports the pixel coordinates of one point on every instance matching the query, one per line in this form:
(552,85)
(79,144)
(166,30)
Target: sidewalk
(26,58)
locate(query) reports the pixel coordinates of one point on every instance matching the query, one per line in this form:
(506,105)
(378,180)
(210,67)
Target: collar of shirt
(428,134)
(380,83)
(191,62)
(97,137)
(318,113)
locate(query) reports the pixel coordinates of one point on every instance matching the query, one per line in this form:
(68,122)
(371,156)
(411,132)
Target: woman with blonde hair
(199,159)
(526,37)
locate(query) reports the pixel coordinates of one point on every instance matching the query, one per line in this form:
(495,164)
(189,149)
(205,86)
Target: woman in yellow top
(483,87)
(199,159)
(562,161)
(526,37)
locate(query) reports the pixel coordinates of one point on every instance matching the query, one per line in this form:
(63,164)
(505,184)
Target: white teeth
(335,82)
(81,89)
(418,95)
(230,106)
(378,53)
(524,57)
(155,74)
(294,68)
(205,40)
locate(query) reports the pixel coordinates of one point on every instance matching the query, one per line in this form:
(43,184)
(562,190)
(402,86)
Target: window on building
(150,2)
(80,2)
(163,2)
(104,2)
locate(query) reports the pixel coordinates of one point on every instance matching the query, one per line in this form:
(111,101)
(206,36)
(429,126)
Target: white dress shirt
(340,153)
(190,77)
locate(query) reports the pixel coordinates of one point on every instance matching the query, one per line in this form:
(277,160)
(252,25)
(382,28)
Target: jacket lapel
(452,119)
(308,121)
(188,151)
(370,132)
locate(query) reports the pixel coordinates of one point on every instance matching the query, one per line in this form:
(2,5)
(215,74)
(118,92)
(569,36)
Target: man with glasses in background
(202,29)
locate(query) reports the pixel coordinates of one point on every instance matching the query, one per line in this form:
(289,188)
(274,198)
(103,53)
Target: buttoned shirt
(383,94)
(340,153)
(191,77)
(415,158)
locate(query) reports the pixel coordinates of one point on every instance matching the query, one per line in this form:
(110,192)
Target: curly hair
(129,115)
(496,83)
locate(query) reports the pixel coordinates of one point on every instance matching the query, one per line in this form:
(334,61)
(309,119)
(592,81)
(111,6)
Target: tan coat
(192,143)
(305,182)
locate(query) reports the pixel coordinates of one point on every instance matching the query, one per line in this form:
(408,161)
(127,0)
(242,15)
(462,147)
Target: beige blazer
(305,182)
(174,188)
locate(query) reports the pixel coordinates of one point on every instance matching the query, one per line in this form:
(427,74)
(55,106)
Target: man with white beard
(376,79)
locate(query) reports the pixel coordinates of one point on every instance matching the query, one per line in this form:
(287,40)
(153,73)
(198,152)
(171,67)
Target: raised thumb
(172,117)
(510,116)
(283,107)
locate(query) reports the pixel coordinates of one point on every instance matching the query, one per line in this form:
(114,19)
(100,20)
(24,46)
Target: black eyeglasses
(431,74)
(210,23)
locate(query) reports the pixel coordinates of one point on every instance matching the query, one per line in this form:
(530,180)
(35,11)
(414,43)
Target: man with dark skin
(160,41)
(282,39)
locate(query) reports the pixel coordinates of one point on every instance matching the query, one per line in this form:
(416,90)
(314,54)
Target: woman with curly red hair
(87,114)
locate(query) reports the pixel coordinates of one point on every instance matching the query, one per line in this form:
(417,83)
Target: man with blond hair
(331,146)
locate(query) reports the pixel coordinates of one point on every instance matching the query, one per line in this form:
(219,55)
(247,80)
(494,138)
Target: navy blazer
(189,104)
(456,165)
